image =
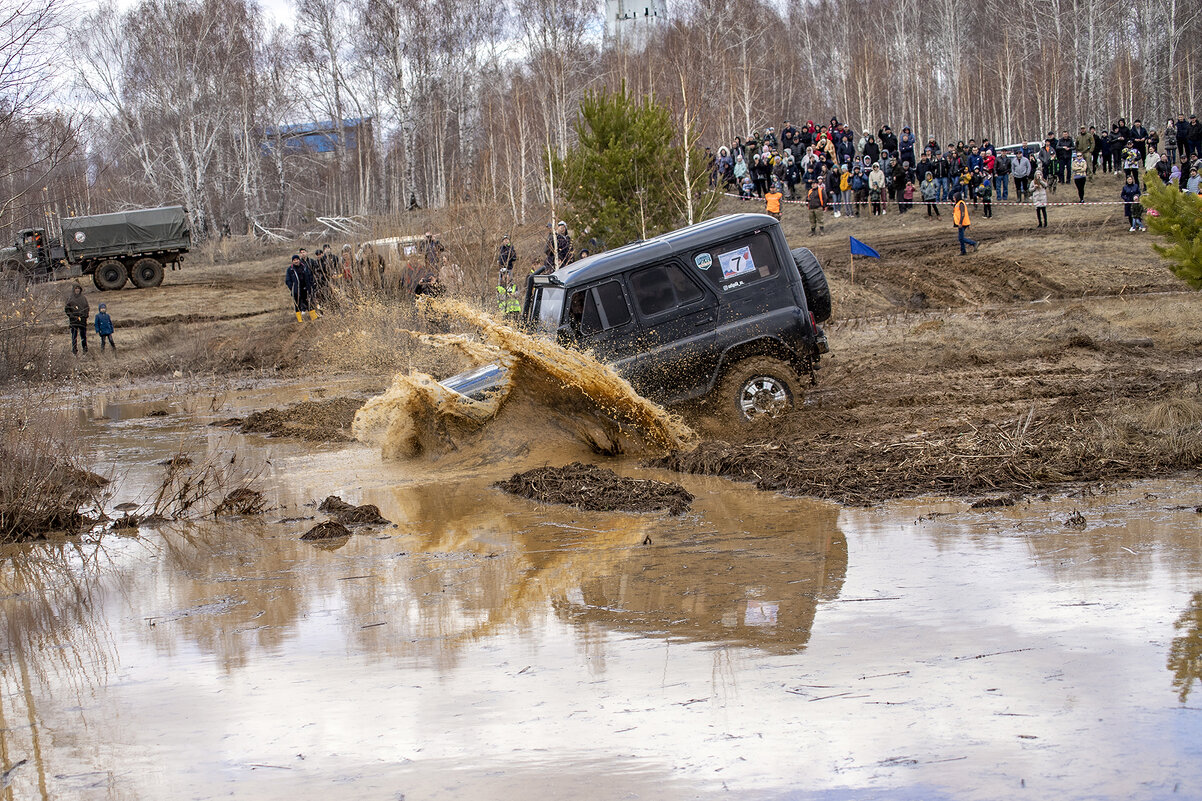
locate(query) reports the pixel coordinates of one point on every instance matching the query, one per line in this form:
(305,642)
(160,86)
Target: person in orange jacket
(961,220)
(773,198)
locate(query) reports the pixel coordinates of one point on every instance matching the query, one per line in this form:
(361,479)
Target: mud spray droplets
(553,397)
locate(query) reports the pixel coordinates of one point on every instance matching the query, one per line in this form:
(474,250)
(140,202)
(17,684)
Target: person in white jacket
(876,188)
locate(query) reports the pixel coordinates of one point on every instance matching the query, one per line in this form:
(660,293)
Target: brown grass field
(1056,355)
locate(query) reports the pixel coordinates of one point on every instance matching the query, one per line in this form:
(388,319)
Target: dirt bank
(597,489)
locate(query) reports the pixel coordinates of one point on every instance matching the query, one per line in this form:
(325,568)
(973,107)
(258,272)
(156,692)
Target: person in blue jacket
(104,326)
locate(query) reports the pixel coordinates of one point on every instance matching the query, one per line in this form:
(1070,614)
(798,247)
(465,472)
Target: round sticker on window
(703,261)
(80,236)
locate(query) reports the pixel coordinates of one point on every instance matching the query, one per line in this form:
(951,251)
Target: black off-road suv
(720,307)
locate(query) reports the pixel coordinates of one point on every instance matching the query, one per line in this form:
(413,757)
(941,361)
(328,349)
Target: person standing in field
(507,255)
(1039,197)
(1021,169)
(772,199)
(1132,208)
(876,188)
(985,193)
(816,202)
(1080,168)
(961,220)
(507,298)
(104,327)
(930,194)
(299,280)
(77,318)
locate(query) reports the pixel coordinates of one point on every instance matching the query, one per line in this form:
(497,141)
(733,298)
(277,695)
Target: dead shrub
(43,485)
(189,487)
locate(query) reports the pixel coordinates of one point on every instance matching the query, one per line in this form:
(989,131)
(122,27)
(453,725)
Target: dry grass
(44,486)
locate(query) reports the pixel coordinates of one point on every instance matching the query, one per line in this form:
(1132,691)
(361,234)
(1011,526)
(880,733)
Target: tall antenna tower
(628,23)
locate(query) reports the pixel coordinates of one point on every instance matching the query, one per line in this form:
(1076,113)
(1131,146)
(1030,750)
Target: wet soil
(315,421)
(985,401)
(597,489)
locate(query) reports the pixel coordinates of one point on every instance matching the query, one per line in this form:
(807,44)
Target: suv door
(678,315)
(598,318)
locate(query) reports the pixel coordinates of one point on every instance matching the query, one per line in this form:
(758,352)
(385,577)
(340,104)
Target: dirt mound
(349,514)
(315,421)
(597,489)
(328,530)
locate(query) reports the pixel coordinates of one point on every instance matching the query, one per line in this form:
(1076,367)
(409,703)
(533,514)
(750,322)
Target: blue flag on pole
(858,248)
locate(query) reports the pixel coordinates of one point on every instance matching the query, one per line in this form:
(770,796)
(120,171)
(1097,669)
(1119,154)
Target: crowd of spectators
(865,172)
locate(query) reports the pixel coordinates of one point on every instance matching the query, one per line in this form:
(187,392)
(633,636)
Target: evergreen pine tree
(624,179)
(1176,216)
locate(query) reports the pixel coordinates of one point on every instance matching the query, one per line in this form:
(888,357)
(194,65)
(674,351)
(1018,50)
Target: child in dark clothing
(104,326)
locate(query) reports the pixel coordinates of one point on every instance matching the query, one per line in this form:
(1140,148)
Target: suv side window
(599,308)
(662,288)
(739,262)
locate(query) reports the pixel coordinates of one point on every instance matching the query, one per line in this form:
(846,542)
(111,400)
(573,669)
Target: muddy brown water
(485,646)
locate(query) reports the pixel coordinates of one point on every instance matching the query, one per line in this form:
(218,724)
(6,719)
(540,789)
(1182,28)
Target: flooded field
(486,646)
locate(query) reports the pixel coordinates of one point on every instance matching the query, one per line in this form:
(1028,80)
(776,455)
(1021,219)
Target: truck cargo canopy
(140,230)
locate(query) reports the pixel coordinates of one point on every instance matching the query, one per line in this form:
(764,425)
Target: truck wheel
(12,265)
(818,293)
(146,273)
(109,275)
(759,387)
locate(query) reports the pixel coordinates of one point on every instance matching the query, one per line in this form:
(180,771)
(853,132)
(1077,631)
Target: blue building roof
(315,137)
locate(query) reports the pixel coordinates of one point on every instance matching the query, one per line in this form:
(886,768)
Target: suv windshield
(548,305)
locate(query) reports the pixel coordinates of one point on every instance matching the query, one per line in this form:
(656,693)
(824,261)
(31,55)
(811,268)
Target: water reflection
(741,577)
(1185,653)
(48,634)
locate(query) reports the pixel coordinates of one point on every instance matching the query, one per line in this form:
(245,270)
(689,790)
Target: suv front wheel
(759,387)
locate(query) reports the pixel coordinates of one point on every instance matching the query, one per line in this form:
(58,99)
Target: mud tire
(757,388)
(110,275)
(818,293)
(12,265)
(146,273)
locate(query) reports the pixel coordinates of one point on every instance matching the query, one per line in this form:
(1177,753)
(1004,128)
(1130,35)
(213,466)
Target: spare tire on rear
(818,294)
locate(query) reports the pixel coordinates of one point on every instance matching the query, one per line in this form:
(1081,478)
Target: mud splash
(553,394)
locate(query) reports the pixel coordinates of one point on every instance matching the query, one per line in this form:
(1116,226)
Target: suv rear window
(738,262)
(662,288)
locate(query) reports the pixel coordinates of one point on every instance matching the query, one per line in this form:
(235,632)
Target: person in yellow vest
(507,297)
(816,202)
(773,199)
(961,220)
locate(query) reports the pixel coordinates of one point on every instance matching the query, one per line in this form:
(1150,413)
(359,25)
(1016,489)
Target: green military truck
(132,246)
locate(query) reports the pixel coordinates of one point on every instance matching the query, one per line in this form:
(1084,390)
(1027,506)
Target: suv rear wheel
(759,387)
